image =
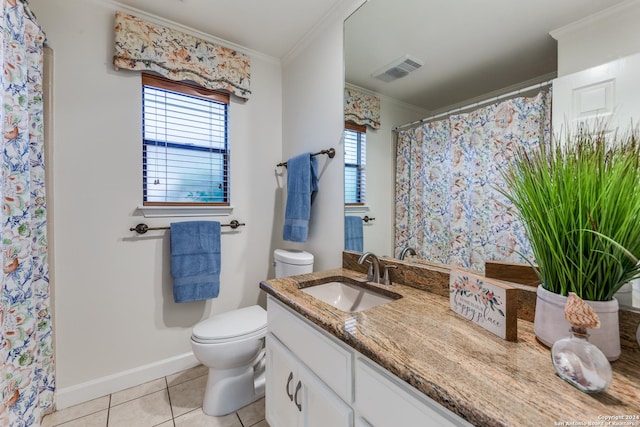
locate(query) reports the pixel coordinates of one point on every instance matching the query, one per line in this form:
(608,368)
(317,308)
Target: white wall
(600,38)
(313,82)
(381,163)
(598,63)
(114,310)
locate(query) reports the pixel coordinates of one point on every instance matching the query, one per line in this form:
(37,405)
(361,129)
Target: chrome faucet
(408,250)
(374,270)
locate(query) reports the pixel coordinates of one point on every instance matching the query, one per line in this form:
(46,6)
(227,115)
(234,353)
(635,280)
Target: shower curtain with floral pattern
(26,352)
(448,207)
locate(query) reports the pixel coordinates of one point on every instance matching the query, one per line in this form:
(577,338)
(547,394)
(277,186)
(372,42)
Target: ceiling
(469,47)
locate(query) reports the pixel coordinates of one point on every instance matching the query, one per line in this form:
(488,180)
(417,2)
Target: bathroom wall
(313,82)
(115,319)
(597,39)
(598,59)
(381,166)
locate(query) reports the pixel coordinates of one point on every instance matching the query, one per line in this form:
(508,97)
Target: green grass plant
(579,201)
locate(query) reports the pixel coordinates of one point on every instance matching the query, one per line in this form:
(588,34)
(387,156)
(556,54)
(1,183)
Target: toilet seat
(236,325)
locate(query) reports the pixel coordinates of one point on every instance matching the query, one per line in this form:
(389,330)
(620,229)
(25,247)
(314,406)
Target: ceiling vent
(398,68)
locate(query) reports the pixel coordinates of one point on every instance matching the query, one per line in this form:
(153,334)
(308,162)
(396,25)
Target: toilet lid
(292,256)
(231,324)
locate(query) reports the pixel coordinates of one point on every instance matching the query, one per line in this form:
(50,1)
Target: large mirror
(465,52)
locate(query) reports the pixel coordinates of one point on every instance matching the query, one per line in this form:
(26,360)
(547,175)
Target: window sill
(184,211)
(356,209)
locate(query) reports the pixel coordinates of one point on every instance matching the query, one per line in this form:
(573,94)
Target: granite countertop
(484,379)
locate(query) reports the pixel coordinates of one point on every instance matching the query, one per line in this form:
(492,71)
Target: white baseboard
(69,396)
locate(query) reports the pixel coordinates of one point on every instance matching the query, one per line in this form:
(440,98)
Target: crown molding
(588,21)
(340,11)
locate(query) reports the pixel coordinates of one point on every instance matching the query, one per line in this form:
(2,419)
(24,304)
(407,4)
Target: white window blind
(185,144)
(355,155)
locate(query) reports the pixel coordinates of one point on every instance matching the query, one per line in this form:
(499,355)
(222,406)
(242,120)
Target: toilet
(291,262)
(231,345)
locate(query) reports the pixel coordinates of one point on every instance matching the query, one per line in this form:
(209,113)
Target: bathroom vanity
(411,361)
(319,381)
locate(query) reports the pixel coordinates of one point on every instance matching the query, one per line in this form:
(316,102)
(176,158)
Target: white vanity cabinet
(403,405)
(314,380)
(296,397)
(309,376)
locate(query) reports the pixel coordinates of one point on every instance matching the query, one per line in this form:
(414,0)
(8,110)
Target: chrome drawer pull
(289,382)
(299,405)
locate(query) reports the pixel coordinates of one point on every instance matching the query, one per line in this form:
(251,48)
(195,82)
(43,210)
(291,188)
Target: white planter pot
(550,325)
(625,295)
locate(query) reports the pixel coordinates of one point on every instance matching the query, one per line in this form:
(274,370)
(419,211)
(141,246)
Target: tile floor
(172,401)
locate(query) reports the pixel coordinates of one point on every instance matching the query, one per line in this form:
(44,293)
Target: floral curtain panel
(145,46)
(421,176)
(361,108)
(447,204)
(27,381)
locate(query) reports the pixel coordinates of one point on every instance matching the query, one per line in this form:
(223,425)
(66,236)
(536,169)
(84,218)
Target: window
(185,144)
(355,149)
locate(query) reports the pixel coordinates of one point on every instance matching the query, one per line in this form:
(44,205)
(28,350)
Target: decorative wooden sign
(485,302)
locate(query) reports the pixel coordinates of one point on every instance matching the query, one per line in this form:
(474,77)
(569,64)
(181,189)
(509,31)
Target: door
(607,92)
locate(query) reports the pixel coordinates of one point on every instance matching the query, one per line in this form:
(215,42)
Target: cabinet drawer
(384,400)
(327,358)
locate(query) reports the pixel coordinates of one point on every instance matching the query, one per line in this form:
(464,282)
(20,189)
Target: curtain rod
(475,104)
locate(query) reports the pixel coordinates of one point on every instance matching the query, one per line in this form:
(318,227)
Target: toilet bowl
(231,345)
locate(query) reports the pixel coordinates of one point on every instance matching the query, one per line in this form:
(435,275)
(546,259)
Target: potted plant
(579,201)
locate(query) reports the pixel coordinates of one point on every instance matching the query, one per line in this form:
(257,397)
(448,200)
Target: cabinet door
(320,406)
(296,397)
(327,358)
(282,377)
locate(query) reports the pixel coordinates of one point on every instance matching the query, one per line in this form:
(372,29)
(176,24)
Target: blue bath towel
(302,182)
(353,240)
(195,260)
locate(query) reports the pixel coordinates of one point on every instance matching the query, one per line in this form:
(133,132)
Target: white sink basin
(347,297)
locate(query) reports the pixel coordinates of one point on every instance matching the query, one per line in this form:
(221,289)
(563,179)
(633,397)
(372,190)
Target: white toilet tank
(291,262)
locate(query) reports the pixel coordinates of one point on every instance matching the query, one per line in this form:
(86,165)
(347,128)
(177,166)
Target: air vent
(397,69)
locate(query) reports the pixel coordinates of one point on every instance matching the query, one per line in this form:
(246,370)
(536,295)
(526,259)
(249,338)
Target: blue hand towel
(353,240)
(302,182)
(195,260)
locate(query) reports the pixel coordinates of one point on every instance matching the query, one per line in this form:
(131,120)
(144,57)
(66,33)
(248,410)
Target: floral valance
(361,108)
(142,45)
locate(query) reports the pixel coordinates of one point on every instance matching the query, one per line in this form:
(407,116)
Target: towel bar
(367,218)
(143,228)
(331,152)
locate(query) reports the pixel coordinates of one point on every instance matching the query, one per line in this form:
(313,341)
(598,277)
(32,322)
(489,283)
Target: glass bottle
(581,363)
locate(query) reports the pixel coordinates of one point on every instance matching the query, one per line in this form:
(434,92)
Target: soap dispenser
(575,359)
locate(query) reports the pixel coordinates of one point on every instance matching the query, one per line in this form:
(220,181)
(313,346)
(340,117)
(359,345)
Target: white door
(608,92)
